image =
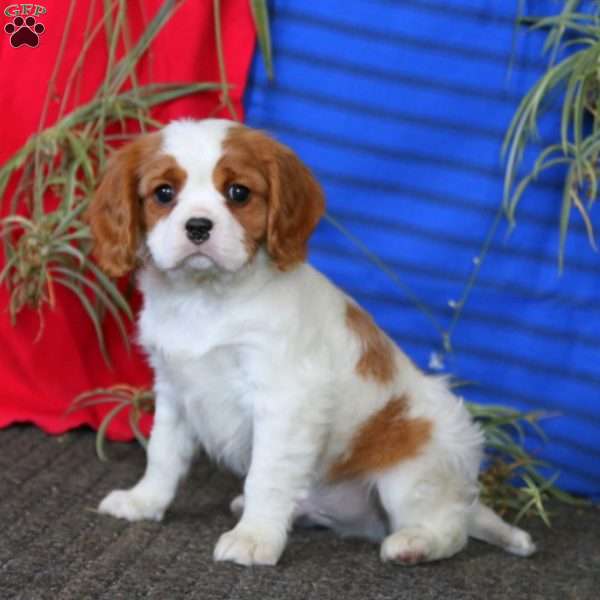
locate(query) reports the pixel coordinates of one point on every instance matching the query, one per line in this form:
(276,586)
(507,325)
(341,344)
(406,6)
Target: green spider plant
(124,397)
(511,482)
(573,74)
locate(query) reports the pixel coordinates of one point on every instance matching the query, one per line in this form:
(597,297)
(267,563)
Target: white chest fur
(201,349)
(212,394)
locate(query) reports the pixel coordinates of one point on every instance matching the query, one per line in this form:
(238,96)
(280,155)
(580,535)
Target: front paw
(251,545)
(131,505)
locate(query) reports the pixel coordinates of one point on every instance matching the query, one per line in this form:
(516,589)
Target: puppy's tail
(486,525)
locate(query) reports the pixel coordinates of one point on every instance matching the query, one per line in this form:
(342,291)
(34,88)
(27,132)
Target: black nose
(197,229)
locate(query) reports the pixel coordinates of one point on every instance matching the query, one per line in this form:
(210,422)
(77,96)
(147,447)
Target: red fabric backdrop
(39,380)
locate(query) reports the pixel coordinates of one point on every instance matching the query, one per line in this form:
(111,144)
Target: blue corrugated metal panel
(400,109)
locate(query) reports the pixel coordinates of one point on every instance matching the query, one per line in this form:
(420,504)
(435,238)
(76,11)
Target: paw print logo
(24,32)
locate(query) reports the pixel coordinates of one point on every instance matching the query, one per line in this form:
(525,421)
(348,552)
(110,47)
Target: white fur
(257,366)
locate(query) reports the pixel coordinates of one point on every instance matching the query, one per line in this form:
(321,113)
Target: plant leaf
(260,14)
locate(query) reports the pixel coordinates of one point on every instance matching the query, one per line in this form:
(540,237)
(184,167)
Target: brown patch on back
(377,358)
(387,438)
(286,201)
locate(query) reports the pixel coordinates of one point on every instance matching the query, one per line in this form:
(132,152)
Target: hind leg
(486,525)
(427,511)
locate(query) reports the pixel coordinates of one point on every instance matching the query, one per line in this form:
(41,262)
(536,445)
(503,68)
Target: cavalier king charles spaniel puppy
(269,367)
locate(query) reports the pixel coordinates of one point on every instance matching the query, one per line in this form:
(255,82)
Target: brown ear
(114,212)
(296,204)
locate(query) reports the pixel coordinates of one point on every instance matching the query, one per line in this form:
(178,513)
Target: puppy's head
(203,195)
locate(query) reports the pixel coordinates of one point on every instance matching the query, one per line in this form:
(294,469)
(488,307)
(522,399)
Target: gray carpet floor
(54,545)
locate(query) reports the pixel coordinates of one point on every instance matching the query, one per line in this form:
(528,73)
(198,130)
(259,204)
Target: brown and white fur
(269,367)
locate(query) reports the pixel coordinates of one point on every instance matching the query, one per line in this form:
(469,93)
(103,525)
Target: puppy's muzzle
(198,229)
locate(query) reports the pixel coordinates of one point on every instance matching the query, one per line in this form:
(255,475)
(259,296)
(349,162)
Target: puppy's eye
(164,194)
(238,194)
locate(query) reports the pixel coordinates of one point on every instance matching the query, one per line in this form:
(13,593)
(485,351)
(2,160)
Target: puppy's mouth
(205,259)
(197,261)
